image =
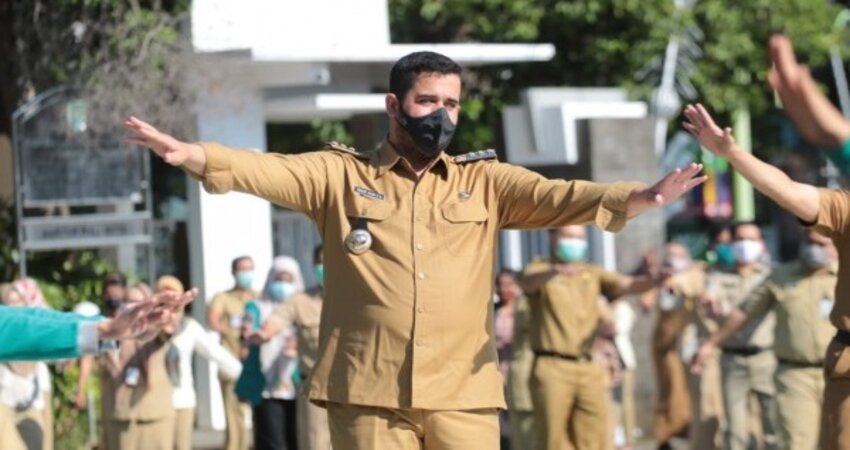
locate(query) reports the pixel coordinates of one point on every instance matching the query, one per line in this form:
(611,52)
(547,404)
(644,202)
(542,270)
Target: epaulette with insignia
(475,156)
(344,148)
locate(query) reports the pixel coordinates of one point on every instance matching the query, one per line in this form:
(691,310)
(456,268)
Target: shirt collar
(387,157)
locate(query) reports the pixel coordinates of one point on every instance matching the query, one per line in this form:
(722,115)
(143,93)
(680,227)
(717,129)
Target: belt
(576,358)
(745,351)
(801,364)
(843,337)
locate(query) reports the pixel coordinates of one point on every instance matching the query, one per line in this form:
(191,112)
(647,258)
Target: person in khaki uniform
(225,317)
(137,397)
(303,311)
(747,361)
(675,303)
(801,294)
(407,357)
(827,212)
(568,389)
(520,408)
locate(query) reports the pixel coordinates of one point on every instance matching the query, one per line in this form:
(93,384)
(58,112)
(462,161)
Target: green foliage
(608,42)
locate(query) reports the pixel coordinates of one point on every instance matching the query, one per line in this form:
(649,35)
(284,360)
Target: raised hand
(670,188)
(700,124)
(814,116)
(145,320)
(171,150)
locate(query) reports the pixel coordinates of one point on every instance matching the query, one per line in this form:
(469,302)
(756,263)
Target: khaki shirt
(802,302)
(677,302)
(731,289)
(834,221)
(232,306)
(565,311)
(302,311)
(519,373)
(151,396)
(408,324)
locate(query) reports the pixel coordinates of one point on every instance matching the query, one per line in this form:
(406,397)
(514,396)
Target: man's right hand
(171,150)
(706,351)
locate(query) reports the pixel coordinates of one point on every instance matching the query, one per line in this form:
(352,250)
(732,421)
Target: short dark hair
(114,279)
(406,69)
(509,272)
(236,260)
(743,223)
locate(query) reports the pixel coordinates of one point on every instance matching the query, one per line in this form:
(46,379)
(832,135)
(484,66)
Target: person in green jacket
(31,334)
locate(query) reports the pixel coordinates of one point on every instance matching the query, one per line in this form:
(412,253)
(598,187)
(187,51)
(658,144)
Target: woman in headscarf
(24,393)
(274,411)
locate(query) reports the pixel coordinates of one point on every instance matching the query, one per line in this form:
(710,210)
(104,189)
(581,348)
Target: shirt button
(420,310)
(420,247)
(421,275)
(419,343)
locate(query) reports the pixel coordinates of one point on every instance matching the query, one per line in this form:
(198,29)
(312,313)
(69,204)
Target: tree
(611,42)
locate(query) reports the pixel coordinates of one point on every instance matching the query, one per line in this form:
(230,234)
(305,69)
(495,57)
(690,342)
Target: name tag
(826,305)
(667,301)
(235,321)
(368,193)
(131,376)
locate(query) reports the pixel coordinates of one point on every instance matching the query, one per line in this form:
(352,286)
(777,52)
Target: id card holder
(825,307)
(131,376)
(236,322)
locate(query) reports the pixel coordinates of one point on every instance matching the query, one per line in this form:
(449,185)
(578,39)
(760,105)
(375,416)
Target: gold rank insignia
(475,156)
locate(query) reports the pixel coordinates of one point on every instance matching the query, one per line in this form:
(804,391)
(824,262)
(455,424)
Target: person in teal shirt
(31,334)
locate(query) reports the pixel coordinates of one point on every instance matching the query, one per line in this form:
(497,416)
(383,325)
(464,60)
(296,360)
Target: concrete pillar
(222,227)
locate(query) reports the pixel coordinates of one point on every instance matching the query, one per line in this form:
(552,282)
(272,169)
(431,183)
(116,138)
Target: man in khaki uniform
(568,389)
(747,362)
(407,356)
(675,310)
(801,294)
(303,311)
(224,316)
(827,212)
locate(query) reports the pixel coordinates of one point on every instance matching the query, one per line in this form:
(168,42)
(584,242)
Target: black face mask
(431,133)
(113,303)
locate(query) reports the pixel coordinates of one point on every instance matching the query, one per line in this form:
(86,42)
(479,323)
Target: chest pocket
(375,212)
(463,227)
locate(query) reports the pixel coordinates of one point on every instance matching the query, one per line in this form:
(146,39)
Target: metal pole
(744,199)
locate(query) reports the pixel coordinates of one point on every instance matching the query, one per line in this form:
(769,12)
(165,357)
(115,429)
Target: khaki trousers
(354,427)
(673,409)
(236,435)
(522,430)
(184,425)
(140,435)
(742,376)
(571,399)
(799,396)
(313,433)
(835,427)
(707,414)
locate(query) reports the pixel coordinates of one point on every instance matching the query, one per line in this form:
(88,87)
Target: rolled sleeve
(529,200)
(833,213)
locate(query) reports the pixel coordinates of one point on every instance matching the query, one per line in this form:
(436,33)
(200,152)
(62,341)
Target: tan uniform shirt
(802,302)
(232,306)
(677,302)
(303,311)
(730,289)
(150,397)
(408,324)
(519,373)
(565,311)
(834,221)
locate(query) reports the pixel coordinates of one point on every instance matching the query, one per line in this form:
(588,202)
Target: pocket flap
(375,210)
(460,212)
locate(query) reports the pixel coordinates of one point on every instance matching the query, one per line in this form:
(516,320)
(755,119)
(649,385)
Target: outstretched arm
(811,111)
(799,199)
(733,323)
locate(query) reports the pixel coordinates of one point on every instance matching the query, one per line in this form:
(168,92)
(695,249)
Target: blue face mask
(281,290)
(319,272)
(245,279)
(571,249)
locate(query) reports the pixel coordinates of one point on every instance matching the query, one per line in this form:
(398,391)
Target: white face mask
(678,264)
(747,251)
